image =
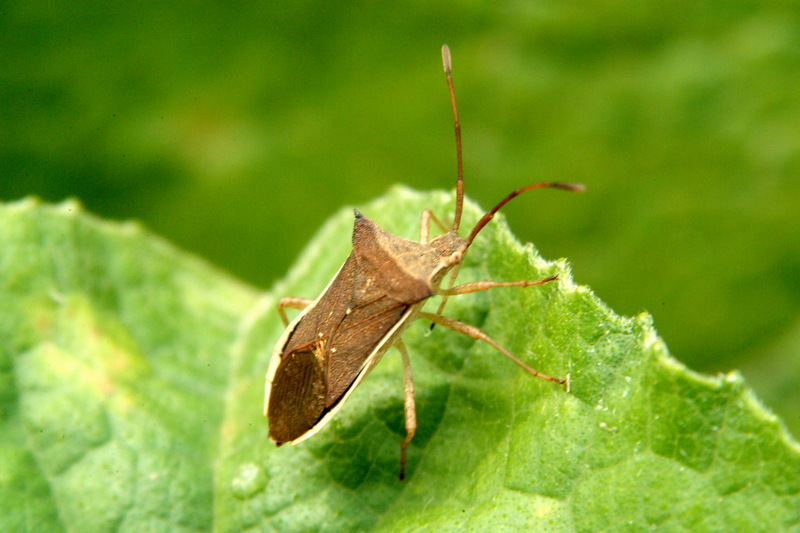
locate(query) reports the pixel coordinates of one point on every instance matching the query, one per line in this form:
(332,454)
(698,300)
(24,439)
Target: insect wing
(369,363)
(330,346)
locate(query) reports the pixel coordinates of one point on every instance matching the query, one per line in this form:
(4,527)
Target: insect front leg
(293,303)
(425,225)
(409,405)
(477,334)
(477,286)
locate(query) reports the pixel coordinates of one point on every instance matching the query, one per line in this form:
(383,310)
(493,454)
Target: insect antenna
(448,67)
(447,62)
(489,215)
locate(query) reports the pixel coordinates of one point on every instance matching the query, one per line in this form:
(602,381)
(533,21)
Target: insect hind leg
(477,334)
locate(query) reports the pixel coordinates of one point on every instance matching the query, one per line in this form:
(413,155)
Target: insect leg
(410,406)
(294,303)
(425,225)
(477,334)
(476,286)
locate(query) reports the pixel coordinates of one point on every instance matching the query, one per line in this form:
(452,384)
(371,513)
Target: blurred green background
(234,130)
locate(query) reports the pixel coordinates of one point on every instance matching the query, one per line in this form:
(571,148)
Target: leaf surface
(131,391)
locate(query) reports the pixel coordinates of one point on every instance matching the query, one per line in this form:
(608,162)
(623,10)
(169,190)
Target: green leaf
(115,362)
(132,388)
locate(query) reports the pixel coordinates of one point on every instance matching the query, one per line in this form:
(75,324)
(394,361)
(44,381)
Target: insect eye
(455,258)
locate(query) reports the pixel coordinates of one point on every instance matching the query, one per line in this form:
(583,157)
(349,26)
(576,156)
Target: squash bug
(337,339)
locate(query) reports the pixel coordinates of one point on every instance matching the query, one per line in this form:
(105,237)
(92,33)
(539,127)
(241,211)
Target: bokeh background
(235,129)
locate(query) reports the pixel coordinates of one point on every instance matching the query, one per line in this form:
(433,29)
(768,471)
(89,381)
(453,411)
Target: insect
(337,339)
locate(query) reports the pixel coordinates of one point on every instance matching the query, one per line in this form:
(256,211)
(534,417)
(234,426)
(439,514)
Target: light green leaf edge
(127,368)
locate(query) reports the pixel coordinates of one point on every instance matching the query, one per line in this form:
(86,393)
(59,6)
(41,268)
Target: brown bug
(380,290)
